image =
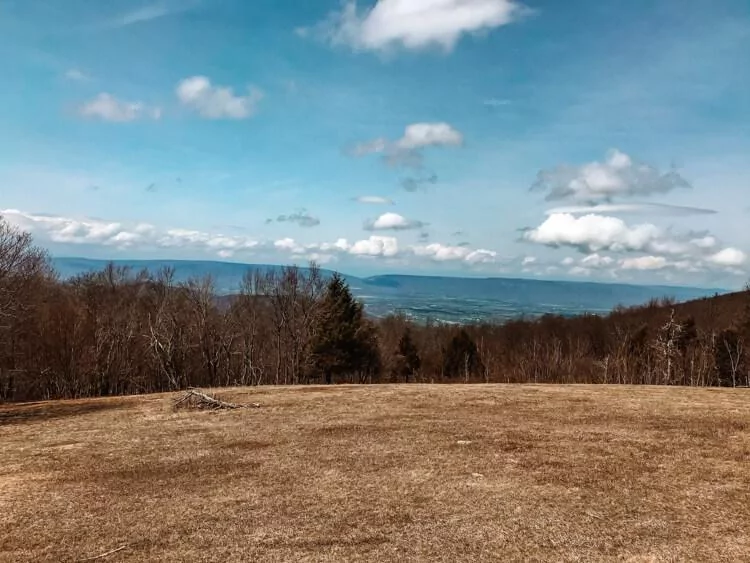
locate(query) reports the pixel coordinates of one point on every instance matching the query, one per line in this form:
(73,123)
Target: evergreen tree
(461,358)
(408,361)
(344,342)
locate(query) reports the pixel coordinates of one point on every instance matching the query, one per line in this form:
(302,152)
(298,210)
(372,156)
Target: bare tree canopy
(20,263)
(118,331)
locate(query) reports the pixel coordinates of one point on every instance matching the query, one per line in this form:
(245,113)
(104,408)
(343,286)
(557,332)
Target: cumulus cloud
(374,200)
(288,244)
(661,209)
(144,236)
(407,150)
(116,234)
(446,253)
(730,257)
(413,24)
(388,247)
(618,176)
(419,135)
(217,102)
(652,248)
(218,243)
(301,218)
(375,246)
(73,231)
(108,108)
(393,222)
(592,233)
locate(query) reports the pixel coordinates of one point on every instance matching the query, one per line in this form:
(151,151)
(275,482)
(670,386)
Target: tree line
(118,332)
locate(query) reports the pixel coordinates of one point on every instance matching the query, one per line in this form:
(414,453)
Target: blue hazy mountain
(448,299)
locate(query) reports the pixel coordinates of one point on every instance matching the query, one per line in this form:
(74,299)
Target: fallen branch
(103,555)
(193,398)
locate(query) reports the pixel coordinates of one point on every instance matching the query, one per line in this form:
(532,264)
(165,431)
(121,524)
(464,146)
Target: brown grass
(390,473)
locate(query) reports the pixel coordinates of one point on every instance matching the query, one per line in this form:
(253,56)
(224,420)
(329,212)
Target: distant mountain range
(447,299)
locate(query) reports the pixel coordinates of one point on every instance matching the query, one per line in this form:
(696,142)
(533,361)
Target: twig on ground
(103,555)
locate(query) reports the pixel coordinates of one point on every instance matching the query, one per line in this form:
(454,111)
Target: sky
(605,141)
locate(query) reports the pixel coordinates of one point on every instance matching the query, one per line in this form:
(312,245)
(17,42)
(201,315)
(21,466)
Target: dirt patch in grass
(49,410)
(391,473)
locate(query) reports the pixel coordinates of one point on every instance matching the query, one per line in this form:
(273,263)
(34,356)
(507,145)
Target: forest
(116,332)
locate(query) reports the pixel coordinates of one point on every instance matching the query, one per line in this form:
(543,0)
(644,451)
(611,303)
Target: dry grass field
(388,473)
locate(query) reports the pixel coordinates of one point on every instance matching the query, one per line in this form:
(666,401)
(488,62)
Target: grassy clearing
(386,473)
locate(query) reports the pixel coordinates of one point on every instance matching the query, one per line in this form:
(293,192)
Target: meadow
(381,473)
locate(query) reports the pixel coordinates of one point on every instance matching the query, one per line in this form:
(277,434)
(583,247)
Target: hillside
(451,299)
(384,473)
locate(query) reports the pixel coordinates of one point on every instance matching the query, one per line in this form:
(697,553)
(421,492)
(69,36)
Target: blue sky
(562,140)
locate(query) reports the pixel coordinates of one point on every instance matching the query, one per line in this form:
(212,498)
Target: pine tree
(344,342)
(461,358)
(408,361)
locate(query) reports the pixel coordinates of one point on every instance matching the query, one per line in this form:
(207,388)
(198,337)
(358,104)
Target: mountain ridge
(447,298)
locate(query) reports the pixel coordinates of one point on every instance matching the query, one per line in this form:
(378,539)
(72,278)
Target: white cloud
(656,250)
(481,256)
(393,222)
(199,240)
(419,135)
(151,12)
(341,245)
(374,200)
(375,246)
(445,253)
(706,242)
(619,175)
(414,24)
(144,14)
(592,233)
(77,75)
(597,261)
(730,257)
(108,108)
(407,150)
(644,263)
(288,244)
(73,231)
(372,247)
(596,233)
(217,102)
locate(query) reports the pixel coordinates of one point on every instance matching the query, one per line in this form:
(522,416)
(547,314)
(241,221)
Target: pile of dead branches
(196,399)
